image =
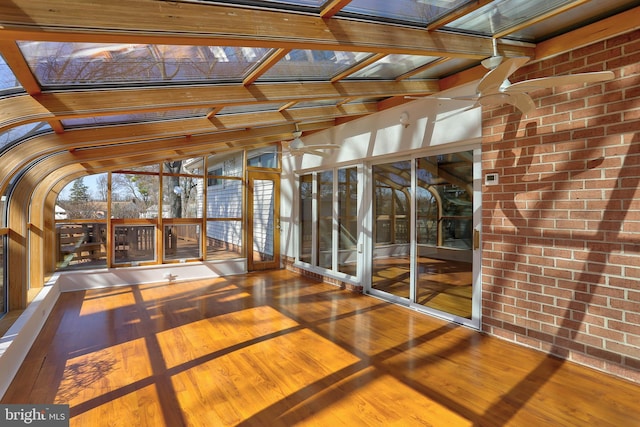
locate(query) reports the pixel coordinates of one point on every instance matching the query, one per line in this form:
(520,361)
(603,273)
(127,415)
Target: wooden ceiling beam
(101,159)
(359,66)
(153,22)
(62,105)
(201,130)
(621,23)
(15,60)
(265,65)
(180,97)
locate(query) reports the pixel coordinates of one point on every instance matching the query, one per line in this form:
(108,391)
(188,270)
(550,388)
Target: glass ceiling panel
(305,64)
(317,103)
(8,81)
(501,15)
(408,11)
(253,108)
(57,63)
(316,4)
(573,18)
(392,66)
(445,68)
(134,118)
(18,133)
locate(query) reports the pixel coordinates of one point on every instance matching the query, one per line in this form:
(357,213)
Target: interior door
(263,225)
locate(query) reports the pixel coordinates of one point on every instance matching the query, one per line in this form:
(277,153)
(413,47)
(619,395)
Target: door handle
(476,239)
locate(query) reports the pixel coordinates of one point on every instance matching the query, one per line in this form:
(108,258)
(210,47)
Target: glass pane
(391,264)
(224,198)
(134,195)
(409,11)
(306,218)
(252,108)
(134,243)
(444,232)
(182,197)
(3,263)
(134,117)
(182,241)
(305,64)
(426,214)
(76,63)
(192,166)
(266,157)
(574,17)
(81,245)
(18,133)
(153,168)
(310,3)
(325,219)
(263,221)
(348,221)
(225,165)
(83,198)
(501,15)
(448,67)
(392,66)
(3,210)
(8,81)
(224,239)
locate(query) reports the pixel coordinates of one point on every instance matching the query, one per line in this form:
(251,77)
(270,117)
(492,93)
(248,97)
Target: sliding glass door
(423,234)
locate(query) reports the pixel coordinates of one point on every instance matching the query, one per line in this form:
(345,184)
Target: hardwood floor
(278,349)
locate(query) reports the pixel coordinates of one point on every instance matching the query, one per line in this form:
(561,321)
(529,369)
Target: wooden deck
(277,349)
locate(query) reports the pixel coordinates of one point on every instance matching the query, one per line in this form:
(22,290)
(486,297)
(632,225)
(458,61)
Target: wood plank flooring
(278,349)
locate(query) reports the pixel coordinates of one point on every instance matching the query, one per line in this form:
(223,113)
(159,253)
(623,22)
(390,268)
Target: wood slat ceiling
(209,24)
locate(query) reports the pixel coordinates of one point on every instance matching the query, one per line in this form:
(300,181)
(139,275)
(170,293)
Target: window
(225,189)
(306,218)
(347,199)
(3,270)
(325,219)
(328,220)
(182,241)
(176,211)
(81,223)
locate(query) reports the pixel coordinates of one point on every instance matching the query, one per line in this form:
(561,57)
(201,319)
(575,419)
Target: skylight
(407,11)
(8,81)
(57,63)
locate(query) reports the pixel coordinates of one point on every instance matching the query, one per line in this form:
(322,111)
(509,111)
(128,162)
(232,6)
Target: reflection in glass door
(391,261)
(423,233)
(263,228)
(444,224)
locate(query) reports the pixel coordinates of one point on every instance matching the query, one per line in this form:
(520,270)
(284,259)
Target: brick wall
(561,231)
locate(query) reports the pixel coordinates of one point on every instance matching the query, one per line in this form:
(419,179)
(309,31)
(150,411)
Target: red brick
(606,333)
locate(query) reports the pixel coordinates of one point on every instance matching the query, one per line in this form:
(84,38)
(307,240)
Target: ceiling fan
(297,147)
(496,89)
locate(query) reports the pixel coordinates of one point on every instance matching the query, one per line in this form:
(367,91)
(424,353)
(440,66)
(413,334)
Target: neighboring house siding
(263,199)
(561,231)
(225,201)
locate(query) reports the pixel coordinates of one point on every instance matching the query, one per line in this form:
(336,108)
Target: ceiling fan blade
(522,102)
(492,81)
(548,82)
